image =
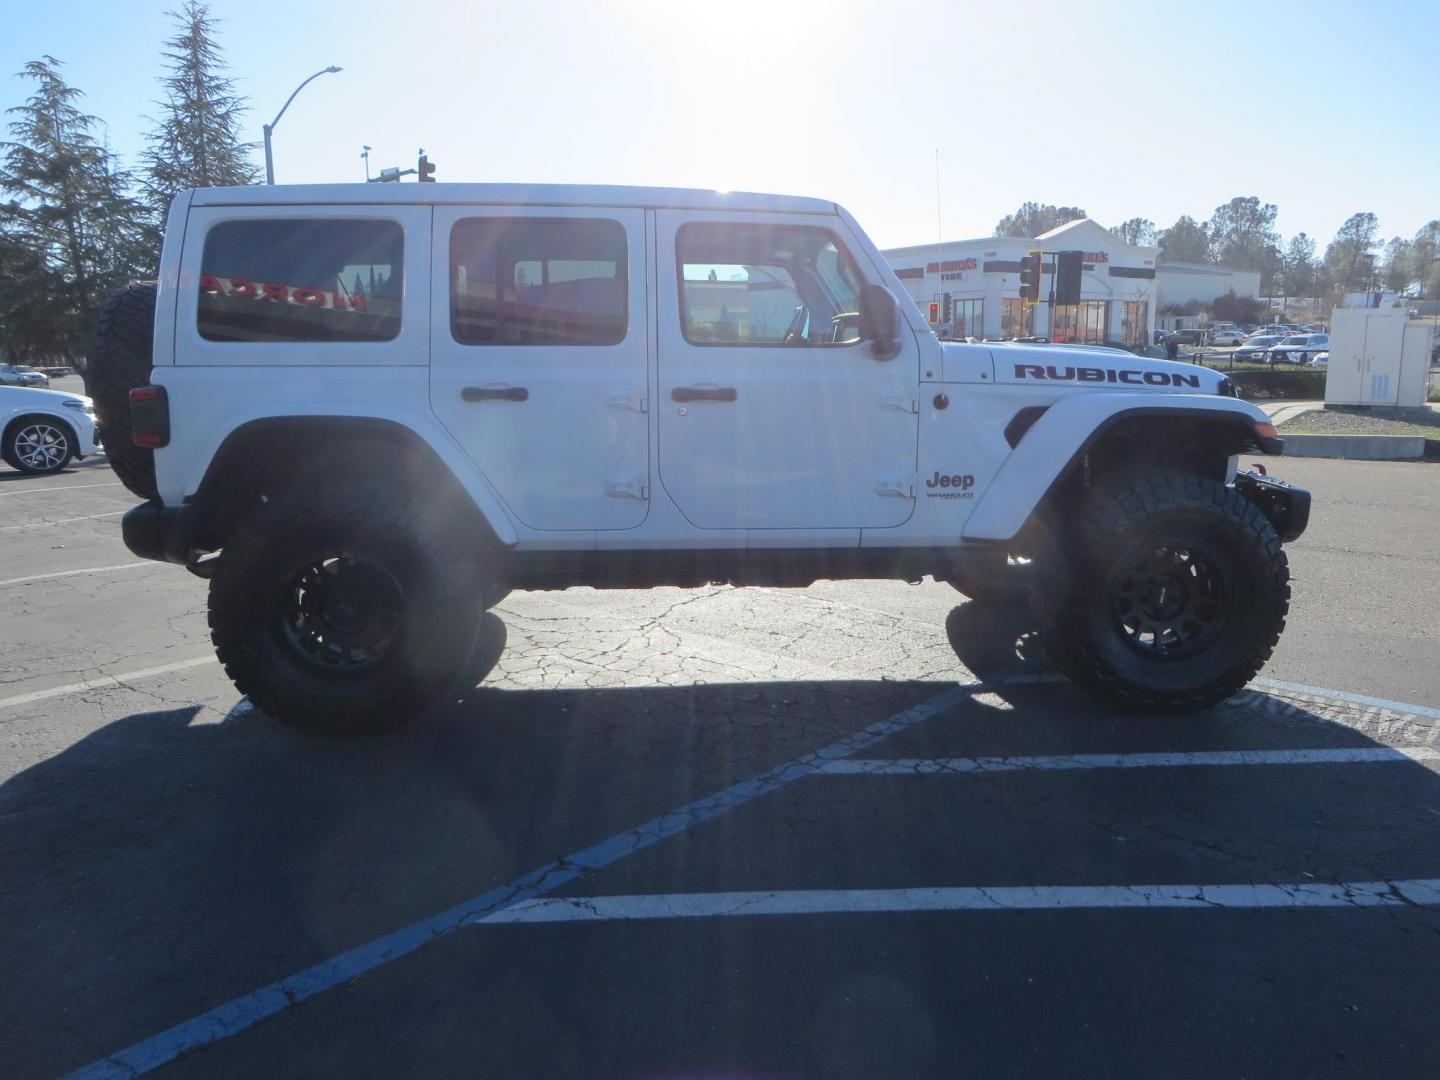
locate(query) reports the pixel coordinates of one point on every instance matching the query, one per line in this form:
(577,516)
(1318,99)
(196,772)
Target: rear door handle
(495,393)
(703,393)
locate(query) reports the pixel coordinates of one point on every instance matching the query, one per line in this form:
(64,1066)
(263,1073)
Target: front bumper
(1286,506)
(153,530)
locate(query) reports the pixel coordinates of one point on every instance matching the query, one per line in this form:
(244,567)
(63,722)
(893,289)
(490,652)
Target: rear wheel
(1170,597)
(345,607)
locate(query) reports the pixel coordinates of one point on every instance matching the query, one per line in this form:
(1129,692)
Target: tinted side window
(301,279)
(538,281)
(766,285)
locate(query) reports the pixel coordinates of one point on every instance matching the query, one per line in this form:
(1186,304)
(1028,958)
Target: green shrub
(1283,385)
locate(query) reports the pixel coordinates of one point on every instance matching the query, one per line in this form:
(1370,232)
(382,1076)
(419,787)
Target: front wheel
(346,607)
(1170,597)
(39,445)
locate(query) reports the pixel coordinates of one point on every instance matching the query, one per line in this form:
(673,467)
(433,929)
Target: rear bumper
(1287,507)
(153,530)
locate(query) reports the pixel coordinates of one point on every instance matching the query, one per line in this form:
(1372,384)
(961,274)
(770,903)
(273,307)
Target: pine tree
(71,228)
(197,142)
(1350,256)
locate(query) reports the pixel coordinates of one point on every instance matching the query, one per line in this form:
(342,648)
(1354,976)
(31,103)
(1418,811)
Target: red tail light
(149,416)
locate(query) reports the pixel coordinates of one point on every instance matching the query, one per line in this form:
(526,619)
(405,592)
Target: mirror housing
(879,322)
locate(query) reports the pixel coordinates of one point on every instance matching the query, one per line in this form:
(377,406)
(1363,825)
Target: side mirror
(879,322)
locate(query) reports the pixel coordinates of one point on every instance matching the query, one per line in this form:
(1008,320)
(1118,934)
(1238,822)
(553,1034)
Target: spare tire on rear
(120,360)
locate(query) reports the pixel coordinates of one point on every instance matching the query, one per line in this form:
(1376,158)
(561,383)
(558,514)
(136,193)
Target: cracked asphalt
(164,849)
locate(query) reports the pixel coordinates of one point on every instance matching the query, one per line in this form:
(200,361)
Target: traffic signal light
(1030,267)
(947,308)
(934,312)
(426,170)
(1069,269)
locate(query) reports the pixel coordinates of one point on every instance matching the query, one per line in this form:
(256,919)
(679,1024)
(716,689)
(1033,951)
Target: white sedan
(1298,348)
(41,431)
(1226,337)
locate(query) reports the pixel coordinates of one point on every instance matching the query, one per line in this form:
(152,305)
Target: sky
(1144,109)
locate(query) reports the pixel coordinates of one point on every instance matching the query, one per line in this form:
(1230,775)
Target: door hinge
(622,400)
(902,487)
(626,489)
(903,402)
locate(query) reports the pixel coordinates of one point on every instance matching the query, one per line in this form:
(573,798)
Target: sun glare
(735,76)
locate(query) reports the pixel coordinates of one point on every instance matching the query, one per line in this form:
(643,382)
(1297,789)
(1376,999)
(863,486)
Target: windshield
(1301,340)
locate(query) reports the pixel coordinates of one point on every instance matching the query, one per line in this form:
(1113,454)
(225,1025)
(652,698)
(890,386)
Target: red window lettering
(275,292)
(242,287)
(310,296)
(209,283)
(337,300)
(357,301)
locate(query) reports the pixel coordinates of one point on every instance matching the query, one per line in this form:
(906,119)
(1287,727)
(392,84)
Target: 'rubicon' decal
(1052,373)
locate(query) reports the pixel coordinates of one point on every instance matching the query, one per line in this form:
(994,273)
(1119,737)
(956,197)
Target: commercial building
(975,287)
(1185,283)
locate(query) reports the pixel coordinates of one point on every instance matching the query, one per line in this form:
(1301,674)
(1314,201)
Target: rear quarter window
(301,280)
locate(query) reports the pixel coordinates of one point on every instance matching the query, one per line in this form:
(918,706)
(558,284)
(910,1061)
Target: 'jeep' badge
(960,486)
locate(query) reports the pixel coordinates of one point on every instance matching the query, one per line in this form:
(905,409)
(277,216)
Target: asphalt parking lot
(855,830)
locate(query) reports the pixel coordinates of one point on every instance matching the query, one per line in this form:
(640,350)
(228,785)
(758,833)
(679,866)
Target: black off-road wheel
(1168,596)
(120,359)
(346,606)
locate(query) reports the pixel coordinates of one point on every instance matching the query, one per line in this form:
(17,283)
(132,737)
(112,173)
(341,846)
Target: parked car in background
(1226,337)
(1255,345)
(1314,328)
(1298,348)
(1320,360)
(41,431)
(1187,337)
(22,375)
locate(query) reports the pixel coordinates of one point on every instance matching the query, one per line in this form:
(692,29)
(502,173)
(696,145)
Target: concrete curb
(1358,447)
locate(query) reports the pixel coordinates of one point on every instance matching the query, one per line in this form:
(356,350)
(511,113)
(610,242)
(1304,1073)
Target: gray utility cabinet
(1378,356)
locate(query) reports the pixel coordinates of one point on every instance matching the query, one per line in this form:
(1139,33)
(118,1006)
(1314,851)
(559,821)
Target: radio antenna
(939,233)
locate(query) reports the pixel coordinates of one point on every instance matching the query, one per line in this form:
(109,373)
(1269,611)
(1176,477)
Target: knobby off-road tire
(120,360)
(1167,594)
(348,605)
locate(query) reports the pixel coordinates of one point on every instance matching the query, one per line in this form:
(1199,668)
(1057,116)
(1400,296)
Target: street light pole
(270,127)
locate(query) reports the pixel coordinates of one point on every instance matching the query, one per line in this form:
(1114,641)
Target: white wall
(1177,286)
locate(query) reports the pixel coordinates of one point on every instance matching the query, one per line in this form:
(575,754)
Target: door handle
(495,393)
(703,393)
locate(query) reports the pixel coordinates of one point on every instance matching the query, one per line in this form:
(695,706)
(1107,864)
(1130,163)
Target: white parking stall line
(238,1014)
(1343,695)
(60,521)
(64,487)
(1353,755)
(76,573)
(102,682)
(1423,892)
(526,896)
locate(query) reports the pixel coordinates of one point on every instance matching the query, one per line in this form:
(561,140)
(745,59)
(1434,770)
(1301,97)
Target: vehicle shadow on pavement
(996,638)
(166,862)
(89,465)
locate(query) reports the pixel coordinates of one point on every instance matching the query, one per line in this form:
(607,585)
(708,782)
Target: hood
(1096,367)
(40,396)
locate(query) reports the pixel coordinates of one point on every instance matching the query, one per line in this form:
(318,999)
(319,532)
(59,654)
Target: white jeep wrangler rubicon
(385,406)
